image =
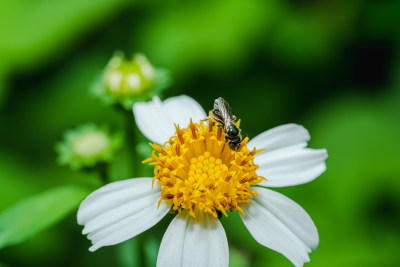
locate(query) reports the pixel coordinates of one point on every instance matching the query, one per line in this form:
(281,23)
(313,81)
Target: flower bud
(88,145)
(125,81)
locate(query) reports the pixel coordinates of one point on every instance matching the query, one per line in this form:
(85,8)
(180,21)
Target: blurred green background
(332,66)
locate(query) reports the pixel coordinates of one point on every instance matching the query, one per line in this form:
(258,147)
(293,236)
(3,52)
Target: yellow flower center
(198,171)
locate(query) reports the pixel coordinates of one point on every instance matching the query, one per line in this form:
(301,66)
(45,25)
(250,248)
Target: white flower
(199,176)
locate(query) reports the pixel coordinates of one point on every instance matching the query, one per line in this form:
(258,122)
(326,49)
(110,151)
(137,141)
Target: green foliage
(212,37)
(151,246)
(361,187)
(32,215)
(32,31)
(128,253)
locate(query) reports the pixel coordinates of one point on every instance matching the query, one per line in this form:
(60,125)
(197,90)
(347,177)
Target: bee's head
(233,131)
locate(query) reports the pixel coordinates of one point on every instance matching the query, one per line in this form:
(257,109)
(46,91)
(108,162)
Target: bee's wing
(223,108)
(221,103)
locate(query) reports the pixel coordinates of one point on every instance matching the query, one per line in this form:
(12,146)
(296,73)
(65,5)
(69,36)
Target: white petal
(279,223)
(281,136)
(287,161)
(189,241)
(120,210)
(156,119)
(290,166)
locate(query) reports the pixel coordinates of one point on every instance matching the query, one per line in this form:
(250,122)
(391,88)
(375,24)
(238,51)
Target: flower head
(87,145)
(199,176)
(128,81)
(206,175)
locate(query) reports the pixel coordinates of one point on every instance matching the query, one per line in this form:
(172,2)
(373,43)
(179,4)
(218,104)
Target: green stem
(103,171)
(134,161)
(131,142)
(141,250)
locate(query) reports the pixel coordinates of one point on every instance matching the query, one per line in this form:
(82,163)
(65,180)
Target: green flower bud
(125,82)
(88,145)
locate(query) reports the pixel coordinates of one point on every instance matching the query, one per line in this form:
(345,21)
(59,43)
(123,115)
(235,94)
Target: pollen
(198,171)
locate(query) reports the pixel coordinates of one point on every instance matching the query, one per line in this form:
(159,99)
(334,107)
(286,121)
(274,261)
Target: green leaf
(32,215)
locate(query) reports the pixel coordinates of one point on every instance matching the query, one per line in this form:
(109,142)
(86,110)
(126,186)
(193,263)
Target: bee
(222,114)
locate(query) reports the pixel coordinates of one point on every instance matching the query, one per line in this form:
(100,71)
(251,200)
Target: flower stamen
(198,171)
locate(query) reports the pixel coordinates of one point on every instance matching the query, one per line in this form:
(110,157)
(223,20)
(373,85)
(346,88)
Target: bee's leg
(232,145)
(218,120)
(207,118)
(221,123)
(214,119)
(238,144)
(240,141)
